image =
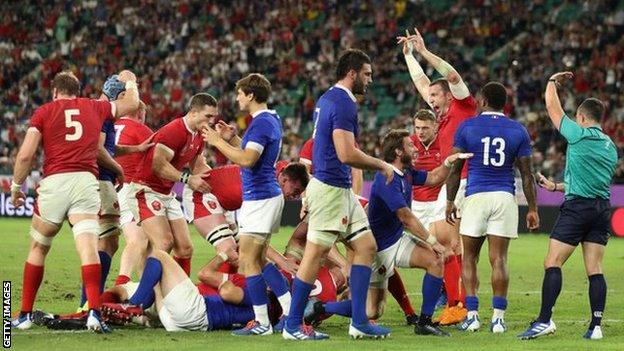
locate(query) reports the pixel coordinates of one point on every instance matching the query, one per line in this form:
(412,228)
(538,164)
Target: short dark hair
(256,84)
(425,115)
(592,108)
(198,101)
(351,59)
(297,171)
(392,140)
(495,95)
(66,83)
(443,83)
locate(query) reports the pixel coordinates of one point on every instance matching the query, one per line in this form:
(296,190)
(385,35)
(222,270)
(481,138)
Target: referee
(584,216)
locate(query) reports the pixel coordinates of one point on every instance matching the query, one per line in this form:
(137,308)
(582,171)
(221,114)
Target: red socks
(185,263)
(91,276)
(33,275)
(122,279)
(397,289)
(452,280)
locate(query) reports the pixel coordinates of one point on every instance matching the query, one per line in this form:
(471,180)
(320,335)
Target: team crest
(212,205)
(156,205)
(382,270)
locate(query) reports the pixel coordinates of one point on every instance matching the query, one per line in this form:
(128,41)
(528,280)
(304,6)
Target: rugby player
(69,129)
(490,208)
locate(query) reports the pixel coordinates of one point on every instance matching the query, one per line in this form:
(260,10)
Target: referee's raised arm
(553,105)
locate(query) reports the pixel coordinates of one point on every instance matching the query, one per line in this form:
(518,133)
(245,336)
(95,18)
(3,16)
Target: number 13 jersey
(496,142)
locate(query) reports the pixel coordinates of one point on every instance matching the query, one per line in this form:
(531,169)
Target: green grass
(59,293)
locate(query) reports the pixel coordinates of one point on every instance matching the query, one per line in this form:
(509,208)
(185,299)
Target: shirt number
(70,123)
(499,149)
(118,129)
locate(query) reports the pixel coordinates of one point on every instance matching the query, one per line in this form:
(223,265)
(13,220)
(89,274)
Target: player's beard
(406,160)
(359,87)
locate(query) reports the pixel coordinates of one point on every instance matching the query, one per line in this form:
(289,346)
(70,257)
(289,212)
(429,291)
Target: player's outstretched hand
(127,76)
(544,182)
(451,212)
(210,135)
(533,220)
(225,130)
(408,46)
(197,183)
(388,172)
(18,198)
(561,77)
(458,156)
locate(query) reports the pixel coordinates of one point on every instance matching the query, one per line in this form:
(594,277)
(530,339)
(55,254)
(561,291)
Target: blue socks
(300,292)
(359,280)
(277,282)
(597,298)
(431,290)
(341,308)
(258,295)
(105,262)
(499,303)
(144,296)
(551,287)
(472,303)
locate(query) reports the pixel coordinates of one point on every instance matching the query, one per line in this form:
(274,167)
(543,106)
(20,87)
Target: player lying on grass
(389,214)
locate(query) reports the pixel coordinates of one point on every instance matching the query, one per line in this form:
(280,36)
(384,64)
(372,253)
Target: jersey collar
(187,126)
(398,171)
(493,113)
(255,114)
(340,86)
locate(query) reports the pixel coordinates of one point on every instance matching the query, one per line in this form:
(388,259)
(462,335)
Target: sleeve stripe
(255,146)
(166,148)
(305,161)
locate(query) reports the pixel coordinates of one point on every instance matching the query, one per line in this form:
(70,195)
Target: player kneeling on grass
(389,214)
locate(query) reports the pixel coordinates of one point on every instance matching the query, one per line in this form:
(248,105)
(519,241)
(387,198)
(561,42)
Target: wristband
(431,240)
(555,81)
(223,256)
(447,163)
(184,178)
(131,85)
(15,187)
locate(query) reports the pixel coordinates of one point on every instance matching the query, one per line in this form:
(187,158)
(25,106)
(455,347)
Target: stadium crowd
(207,46)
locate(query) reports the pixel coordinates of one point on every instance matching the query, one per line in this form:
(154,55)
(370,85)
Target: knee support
(40,238)
(86,226)
(218,234)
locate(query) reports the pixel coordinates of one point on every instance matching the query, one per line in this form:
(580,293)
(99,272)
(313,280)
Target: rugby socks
(122,279)
(246,299)
(397,289)
(144,295)
(105,261)
(91,280)
(185,263)
(341,308)
(359,280)
(551,287)
(33,275)
(257,292)
(431,289)
(300,292)
(472,305)
(452,276)
(277,282)
(499,304)
(597,298)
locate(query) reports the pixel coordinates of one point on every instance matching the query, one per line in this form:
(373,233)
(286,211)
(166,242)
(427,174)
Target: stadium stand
(201,46)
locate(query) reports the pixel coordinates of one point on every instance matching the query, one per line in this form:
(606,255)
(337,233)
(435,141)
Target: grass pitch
(59,293)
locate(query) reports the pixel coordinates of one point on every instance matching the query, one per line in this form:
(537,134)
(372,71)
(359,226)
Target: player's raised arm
(130,101)
(458,88)
(553,105)
(419,78)
(243,157)
(439,175)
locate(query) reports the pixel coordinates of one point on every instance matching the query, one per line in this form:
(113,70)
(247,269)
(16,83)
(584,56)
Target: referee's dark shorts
(583,220)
